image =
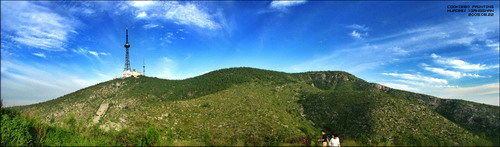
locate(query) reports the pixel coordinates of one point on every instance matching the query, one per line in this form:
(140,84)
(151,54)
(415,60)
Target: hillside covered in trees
(247,106)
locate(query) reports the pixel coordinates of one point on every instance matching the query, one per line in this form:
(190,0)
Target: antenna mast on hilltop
(127,45)
(143,67)
(126,71)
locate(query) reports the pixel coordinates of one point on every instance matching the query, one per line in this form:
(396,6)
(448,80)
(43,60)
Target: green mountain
(247,106)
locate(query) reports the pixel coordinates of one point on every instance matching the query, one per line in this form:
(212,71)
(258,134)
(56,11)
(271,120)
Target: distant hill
(247,106)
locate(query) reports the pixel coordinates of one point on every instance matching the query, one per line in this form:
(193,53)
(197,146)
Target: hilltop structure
(126,71)
(143,67)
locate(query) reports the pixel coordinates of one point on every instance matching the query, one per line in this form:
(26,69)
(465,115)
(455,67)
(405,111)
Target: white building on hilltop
(129,73)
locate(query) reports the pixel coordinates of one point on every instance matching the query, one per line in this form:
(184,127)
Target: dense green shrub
(70,122)
(123,138)
(150,138)
(16,131)
(168,136)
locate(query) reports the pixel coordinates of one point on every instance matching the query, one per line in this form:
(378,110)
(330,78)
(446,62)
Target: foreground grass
(18,130)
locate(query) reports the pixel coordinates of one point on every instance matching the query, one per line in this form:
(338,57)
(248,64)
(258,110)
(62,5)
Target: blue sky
(50,49)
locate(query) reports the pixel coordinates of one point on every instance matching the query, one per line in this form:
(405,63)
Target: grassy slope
(222,107)
(480,119)
(379,119)
(242,114)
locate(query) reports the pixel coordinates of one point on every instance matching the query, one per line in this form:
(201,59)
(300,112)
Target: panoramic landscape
(236,73)
(247,106)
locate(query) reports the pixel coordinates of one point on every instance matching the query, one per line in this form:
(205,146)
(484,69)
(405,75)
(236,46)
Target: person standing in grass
(335,140)
(324,138)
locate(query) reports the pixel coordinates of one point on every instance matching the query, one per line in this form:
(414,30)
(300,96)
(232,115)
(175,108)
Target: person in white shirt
(334,141)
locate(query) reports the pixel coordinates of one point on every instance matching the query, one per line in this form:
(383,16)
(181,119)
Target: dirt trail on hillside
(100,112)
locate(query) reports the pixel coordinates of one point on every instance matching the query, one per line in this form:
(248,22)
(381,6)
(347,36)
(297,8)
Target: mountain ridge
(128,100)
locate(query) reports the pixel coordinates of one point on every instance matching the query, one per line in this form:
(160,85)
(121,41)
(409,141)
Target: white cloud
(422,85)
(358,27)
(400,86)
(427,38)
(355,34)
(441,71)
(189,14)
(142,3)
(85,51)
(16,102)
(492,44)
(358,35)
(474,93)
(168,68)
(150,25)
(35,26)
(463,41)
(343,59)
(460,64)
(167,60)
(40,55)
(142,15)
(454,74)
(104,53)
(446,86)
(81,51)
(186,14)
(283,4)
(422,40)
(169,38)
(418,78)
(94,53)
(400,51)
(414,83)
(486,93)
(31,83)
(88,11)
(4,53)
(359,31)
(165,68)
(384,49)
